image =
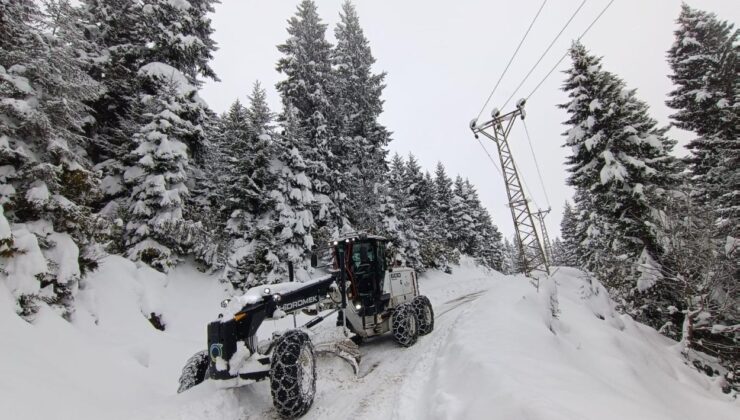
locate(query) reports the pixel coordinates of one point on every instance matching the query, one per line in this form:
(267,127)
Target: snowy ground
(496,353)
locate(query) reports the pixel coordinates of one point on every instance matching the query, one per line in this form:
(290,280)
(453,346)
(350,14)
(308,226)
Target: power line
(495,165)
(566,53)
(527,191)
(512,58)
(523,179)
(545,53)
(536,164)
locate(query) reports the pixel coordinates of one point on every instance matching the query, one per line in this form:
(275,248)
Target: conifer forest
(118,179)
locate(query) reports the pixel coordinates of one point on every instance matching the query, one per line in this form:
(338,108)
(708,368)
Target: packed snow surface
(500,350)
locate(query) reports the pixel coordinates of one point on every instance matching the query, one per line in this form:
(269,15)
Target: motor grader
(370,297)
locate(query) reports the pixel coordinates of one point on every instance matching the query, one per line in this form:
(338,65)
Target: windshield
(362,254)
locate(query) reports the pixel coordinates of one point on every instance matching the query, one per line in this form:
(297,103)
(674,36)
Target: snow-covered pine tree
(46,182)
(407,244)
(309,89)
(183,36)
(114,56)
(558,253)
(358,102)
(236,183)
(706,275)
(236,187)
(205,182)
(156,231)
(131,39)
(491,249)
(510,263)
(706,71)
(620,164)
(430,205)
(254,253)
(484,242)
(568,247)
(292,197)
(464,216)
(127,34)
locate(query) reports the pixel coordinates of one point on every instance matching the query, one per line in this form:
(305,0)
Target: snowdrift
(509,357)
(497,352)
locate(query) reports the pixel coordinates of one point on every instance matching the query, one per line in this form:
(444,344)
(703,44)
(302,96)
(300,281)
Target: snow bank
(109,360)
(502,361)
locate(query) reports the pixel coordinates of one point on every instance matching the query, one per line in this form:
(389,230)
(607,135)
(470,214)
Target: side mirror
(314,260)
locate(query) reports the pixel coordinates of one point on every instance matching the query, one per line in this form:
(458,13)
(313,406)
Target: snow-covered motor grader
(370,296)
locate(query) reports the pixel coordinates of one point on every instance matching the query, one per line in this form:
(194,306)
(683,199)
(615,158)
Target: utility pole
(497,129)
(540,215)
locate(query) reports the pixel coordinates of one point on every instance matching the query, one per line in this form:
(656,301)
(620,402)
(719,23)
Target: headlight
(266,291)
(276,297)
(358,306)
(225,303)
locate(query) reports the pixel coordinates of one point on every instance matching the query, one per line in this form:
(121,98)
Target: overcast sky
(442,60)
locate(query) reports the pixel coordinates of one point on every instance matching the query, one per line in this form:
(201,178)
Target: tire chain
(286,376)
(421,304)
(194,371)
(404,325)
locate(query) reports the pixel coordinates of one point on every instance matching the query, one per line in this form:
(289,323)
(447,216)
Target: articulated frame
(530,249)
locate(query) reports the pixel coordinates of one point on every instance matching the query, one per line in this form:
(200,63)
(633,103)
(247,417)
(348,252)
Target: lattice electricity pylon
(528,241)
(540,215)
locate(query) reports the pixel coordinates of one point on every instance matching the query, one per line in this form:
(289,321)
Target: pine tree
(421,211)
(464,215)
(115,54)
(619,154)
(359,104)
(568,247)
(429,206)
(156,231)
(706,70)
(706,277)
(482,240)
(204,203)
(254,259)
(309,89)
(620,165)
(237,183)
(510,264)
(407,244)
(46,182)
(558,253)
(292,197)
(443,223)
(124,36)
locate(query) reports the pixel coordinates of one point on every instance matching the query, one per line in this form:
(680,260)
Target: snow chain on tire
(405,325)
(293,374)
(424,313)
(194,371)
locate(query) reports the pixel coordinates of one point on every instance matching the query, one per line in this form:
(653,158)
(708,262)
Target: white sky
(443,58)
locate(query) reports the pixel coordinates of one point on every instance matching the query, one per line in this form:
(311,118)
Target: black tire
(405,325)
(424,313)
(194,371)
(293,374)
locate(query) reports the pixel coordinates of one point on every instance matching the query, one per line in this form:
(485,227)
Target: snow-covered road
(373,393)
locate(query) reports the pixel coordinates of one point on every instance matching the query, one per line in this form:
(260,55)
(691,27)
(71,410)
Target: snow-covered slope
(496,352)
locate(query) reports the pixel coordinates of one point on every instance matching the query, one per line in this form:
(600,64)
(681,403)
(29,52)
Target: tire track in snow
(415,385)
(395,374)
